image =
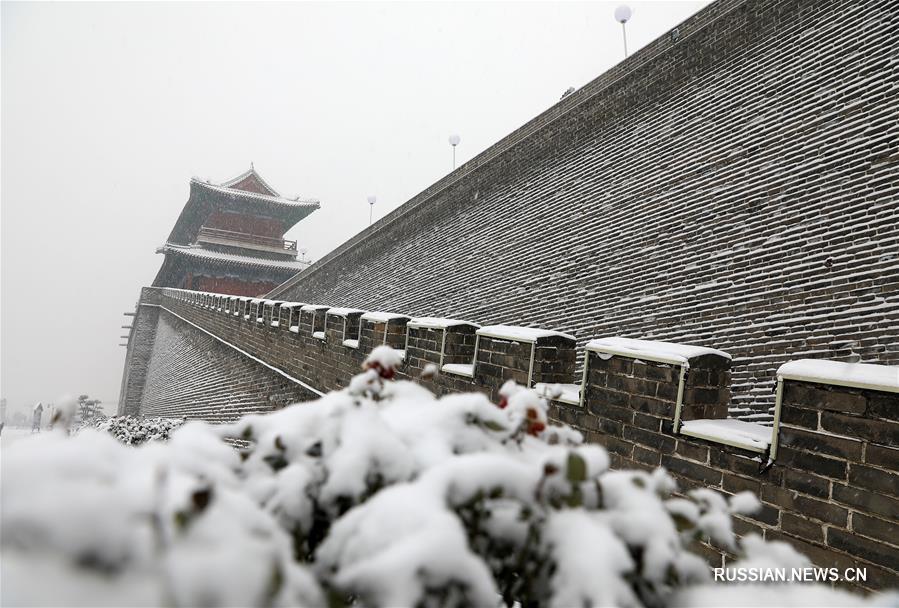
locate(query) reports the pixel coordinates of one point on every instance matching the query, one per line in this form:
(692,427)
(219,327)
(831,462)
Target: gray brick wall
(191,374)
(737,187)
(831,491)
(140,346)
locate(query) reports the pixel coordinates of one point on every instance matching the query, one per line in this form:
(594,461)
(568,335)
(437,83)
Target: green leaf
(576,469)
(494,426)
(336,599)
(681,522)
(182,518)
(576,498)
(275,582)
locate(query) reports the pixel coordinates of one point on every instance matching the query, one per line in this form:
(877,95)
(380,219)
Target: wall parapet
(670,212)
(826,471)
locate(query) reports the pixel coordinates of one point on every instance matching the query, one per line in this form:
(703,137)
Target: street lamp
(622,15)
(372,199)
(454,141)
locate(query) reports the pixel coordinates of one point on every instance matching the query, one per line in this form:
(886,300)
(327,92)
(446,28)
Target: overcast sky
(108,109)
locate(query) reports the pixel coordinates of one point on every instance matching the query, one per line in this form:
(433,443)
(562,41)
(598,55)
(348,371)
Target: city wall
(826,471)
(733,184)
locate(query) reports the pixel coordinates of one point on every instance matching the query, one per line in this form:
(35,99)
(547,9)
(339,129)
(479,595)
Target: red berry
(387,373)
(536,428)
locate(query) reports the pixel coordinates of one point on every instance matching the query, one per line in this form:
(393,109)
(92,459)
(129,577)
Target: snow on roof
(746,435)
(277,200)
(653,351)
(382,317)
(343,312)
(521,334)
(437,323)
(858,375)
(251,171)
(308,307)
(246,260)
(292,304)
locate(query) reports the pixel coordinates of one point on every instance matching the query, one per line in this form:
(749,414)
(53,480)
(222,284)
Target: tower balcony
(229,238)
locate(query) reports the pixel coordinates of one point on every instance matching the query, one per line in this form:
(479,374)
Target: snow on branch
(380,494)
(135,430)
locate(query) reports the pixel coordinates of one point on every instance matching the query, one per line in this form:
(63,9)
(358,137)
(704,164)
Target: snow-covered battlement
(685,385)
(652,350)
(382,317)
(521,334)
(314,307)
(438,323)
(344,312)
(737,433)
(857,375)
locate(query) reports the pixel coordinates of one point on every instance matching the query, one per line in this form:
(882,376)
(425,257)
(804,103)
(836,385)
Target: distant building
(229,238)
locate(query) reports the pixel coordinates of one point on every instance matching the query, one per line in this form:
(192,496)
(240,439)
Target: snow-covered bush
(135,430)
(377,495)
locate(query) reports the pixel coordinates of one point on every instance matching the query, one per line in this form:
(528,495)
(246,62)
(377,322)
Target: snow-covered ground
(11,436)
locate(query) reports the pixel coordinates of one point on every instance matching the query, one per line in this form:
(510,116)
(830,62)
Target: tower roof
(182,260)
(250,181)
(232,259)
(247,193)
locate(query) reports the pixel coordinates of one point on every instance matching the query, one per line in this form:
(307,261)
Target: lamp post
(372,199)
(454,141)
(622,15)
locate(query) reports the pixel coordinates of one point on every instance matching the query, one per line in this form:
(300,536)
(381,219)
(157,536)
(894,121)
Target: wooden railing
(242,239)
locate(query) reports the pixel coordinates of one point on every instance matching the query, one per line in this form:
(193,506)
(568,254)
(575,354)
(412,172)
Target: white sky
(108,109)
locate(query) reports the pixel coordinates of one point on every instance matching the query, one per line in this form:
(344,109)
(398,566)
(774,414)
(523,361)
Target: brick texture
(191,374)
(734,187)
(832,492)
(141,339)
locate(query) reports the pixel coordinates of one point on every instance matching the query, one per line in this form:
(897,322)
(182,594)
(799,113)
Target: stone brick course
(735,186)
(192,375)
(141,339)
